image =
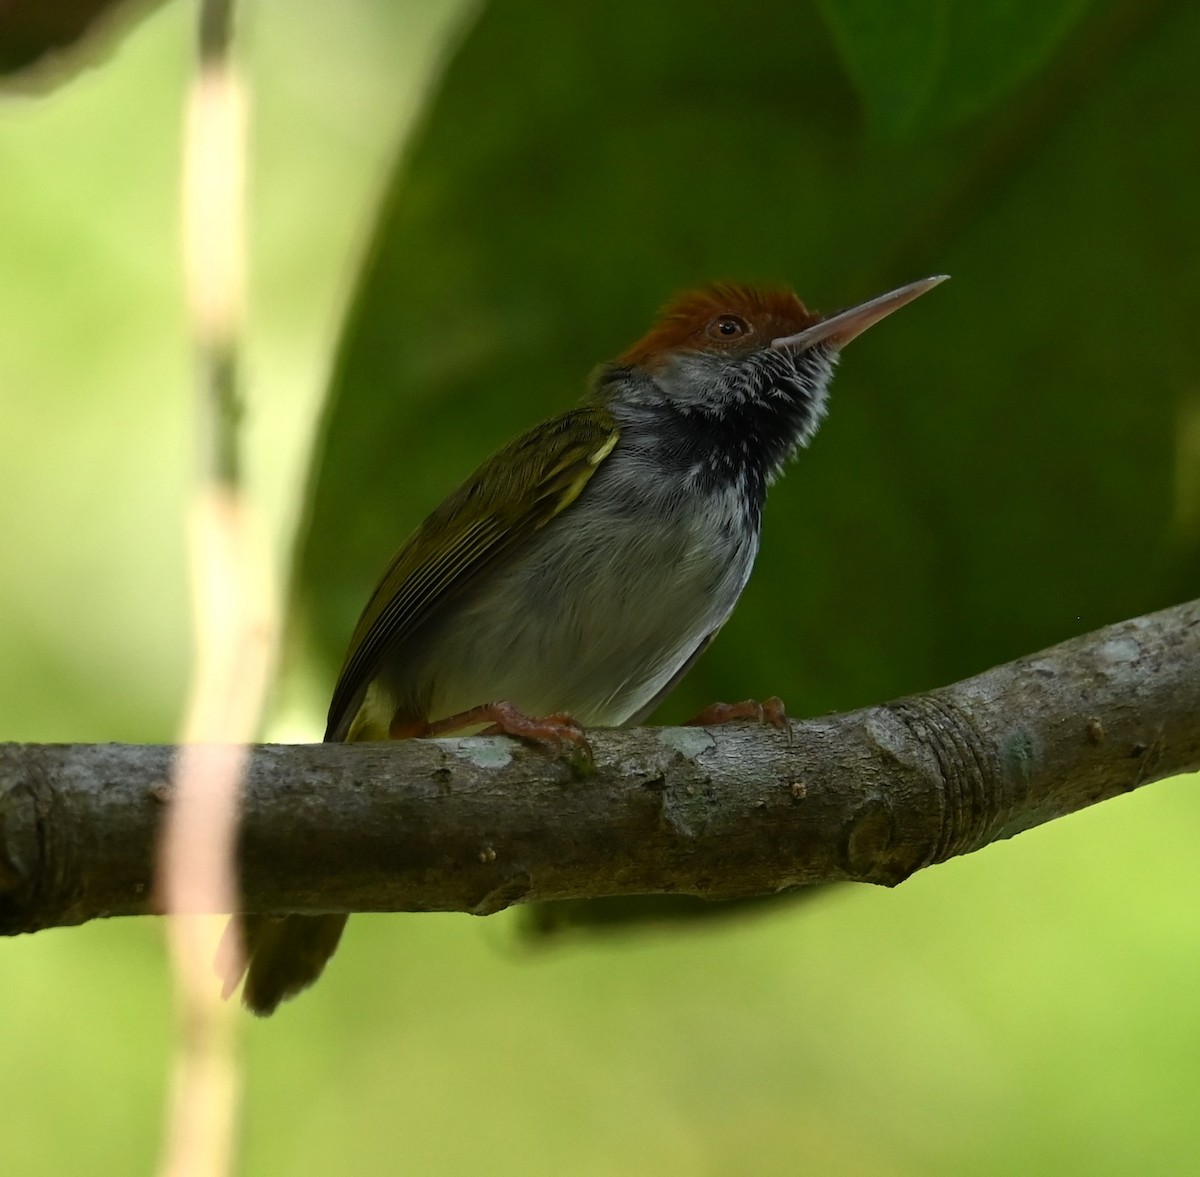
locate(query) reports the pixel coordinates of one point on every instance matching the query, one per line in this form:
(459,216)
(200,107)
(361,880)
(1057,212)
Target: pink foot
(551,731)
(769,711)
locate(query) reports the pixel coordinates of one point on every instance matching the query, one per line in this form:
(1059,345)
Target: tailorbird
(578,574)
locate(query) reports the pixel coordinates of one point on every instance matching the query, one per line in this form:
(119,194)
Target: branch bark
(478,824)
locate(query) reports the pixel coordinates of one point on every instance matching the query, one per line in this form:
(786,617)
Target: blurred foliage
(927,64)
(33,33)
(1012,460)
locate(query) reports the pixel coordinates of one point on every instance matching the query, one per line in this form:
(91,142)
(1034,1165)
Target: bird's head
(753,363)
(724,342)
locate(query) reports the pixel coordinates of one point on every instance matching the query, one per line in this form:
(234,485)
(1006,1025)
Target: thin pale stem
(234,622)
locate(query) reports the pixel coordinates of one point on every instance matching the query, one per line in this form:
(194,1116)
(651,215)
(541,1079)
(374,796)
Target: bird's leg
(769,711)
(407,729)
(552,731)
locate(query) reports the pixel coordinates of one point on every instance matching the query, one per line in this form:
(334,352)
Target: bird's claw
(770,711)
(559,733)
(555,731)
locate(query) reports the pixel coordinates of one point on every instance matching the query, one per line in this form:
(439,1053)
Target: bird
(576,576)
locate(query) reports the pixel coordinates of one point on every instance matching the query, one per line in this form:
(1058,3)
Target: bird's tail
(282,956)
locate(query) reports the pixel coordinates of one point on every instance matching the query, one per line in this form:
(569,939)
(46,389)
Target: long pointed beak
(839,329)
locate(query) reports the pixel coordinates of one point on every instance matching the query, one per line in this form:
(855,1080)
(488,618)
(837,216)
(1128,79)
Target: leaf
(924,65)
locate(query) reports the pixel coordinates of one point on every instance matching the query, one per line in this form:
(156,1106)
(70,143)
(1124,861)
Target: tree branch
(478,824)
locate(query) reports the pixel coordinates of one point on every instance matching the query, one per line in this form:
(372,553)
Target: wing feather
(508,499)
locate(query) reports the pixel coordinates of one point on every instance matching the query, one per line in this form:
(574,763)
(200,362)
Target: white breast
(598,615)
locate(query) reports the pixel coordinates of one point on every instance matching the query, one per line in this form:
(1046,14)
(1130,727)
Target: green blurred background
(457,210)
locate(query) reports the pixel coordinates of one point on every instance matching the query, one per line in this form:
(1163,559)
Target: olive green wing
(515,493)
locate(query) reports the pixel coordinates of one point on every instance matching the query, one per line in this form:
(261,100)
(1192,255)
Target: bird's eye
(728,327)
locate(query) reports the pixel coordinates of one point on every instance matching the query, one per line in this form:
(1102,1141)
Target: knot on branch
(969,774)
